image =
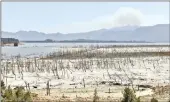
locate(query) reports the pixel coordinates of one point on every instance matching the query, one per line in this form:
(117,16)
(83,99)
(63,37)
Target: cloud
(127,16)
(122,17)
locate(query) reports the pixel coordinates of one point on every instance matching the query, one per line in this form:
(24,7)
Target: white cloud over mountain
(122,17)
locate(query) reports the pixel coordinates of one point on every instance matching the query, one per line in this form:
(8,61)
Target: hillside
(156,33)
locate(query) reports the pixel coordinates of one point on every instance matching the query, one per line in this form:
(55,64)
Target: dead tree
(48,88)
(56,69)
(84,84)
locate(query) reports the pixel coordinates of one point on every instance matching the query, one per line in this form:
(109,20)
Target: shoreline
(12,44)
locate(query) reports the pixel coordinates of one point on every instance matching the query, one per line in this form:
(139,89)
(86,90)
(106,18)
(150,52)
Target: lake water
(32,49)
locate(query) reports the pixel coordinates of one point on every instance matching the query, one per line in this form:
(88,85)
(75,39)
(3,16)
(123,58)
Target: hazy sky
(69,17)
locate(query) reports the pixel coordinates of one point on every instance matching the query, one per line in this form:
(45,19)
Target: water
(33,49)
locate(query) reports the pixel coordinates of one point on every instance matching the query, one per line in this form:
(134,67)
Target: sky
(74,17)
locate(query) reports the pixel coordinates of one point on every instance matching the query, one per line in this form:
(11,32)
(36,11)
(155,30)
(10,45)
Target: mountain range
(156,33)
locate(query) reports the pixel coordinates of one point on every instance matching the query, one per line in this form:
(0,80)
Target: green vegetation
(95,97)
(2,84)
(154,100)
(129,96)
(17,94)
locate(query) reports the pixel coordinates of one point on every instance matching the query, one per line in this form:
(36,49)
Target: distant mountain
(156,33)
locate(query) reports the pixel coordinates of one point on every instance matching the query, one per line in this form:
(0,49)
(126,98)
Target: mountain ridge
(156,33)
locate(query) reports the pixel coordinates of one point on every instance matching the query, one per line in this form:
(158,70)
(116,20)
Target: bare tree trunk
(48,88)
(56,69)
(84,84)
